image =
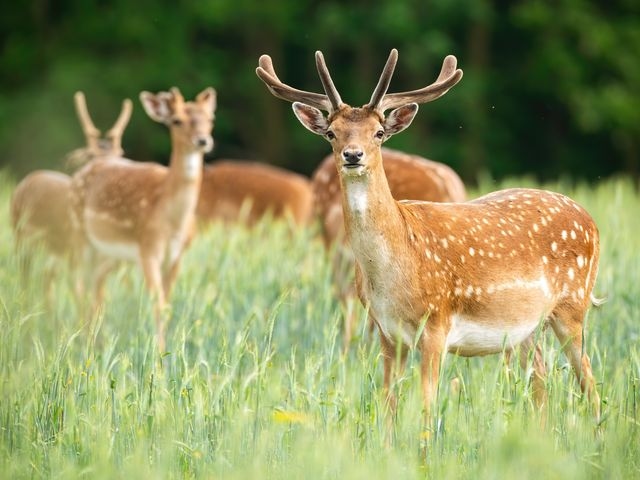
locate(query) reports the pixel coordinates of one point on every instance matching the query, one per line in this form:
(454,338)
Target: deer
(473,278)
(409,176)
(245,192)
(145,212)
(40,204)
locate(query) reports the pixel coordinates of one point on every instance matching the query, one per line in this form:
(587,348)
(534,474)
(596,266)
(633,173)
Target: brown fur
(40,210)
(229,187)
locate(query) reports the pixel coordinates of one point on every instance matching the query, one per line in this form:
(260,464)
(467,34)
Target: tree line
(550,88)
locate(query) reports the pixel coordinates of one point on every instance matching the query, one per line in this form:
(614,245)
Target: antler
(268,75)
(115,133)
(91,133)
(329,88)
(178,99)
(385,79)
(381,101)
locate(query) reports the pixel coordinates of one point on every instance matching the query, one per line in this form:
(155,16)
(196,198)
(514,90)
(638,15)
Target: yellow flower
(283,416)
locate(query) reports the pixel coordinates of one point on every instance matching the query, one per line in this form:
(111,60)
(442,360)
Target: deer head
(111,144)
(356,134)
(190,123)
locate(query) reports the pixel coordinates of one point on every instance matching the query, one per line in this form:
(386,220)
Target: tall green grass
(256,385)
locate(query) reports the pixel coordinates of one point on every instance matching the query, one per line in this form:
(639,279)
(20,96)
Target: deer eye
(330,135)
(176,121)
(380,134)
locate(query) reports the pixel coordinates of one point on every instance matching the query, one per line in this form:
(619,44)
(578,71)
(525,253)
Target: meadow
(256,385)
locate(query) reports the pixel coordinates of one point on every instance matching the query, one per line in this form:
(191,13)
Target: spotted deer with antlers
(145,212)
(40,204)
(470,278)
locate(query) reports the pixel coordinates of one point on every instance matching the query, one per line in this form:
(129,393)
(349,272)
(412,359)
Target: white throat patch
(357,197)
(192,165)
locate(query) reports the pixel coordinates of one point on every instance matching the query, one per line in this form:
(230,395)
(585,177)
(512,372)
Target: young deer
(409,177)
(230,187)
(145,212)
(469,278)
(41,205)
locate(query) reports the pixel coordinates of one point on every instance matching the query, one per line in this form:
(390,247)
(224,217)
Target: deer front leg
(151,267)
(394,357)
(170,274)
(432,346)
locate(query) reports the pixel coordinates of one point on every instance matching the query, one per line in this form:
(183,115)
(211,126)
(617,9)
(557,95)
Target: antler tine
(90,131)
(115,133)
(448,77)
(267,74)
(177,95)
(329,88)
(384,81)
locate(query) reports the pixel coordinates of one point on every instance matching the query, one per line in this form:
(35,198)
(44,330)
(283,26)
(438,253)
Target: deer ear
(157,106)
(311,118)
(209,97)
(400,118)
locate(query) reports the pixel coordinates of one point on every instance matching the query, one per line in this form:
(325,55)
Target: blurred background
(550,89)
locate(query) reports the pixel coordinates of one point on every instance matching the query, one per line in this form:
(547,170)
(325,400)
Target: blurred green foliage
(550,88)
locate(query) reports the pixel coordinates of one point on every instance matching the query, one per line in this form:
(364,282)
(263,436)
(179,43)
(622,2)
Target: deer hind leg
(530,348)
(569,328)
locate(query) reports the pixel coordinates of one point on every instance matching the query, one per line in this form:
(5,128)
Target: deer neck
(372,216)
(185,165)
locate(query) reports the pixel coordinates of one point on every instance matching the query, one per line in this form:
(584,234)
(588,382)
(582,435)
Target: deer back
(40,210)
(230,187)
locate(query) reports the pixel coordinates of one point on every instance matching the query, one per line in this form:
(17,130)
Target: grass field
(256,384)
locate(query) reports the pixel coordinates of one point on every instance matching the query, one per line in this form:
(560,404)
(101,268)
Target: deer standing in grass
(41,204)
(409,177)
(145,212)
(231,189)
(470,278)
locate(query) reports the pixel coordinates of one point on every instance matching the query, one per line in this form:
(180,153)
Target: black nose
(352,155)
(202,142)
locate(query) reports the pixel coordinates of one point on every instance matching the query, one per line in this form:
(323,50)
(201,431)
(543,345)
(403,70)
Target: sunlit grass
(255,384)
